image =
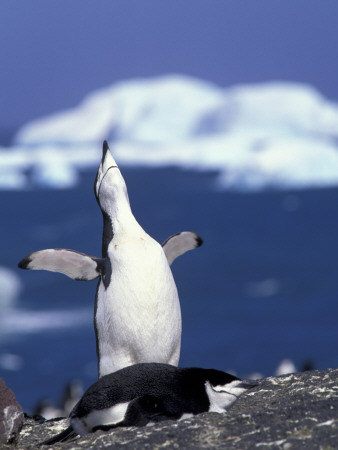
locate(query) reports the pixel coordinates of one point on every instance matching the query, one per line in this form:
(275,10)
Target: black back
(153,387)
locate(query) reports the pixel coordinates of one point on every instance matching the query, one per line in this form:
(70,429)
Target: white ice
(274,134)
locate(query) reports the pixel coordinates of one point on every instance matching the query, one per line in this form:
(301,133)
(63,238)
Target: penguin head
(110,187)
(224,389)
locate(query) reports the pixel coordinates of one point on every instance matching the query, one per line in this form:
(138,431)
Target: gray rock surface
(298,411)
(11,415)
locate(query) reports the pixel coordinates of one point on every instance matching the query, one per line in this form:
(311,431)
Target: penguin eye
(219,388)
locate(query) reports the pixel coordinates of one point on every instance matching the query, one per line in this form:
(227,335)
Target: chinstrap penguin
(144,394)
(137,311)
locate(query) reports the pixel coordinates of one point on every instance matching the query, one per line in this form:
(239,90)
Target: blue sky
(54,52)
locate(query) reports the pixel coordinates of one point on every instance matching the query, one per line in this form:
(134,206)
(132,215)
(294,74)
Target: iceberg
(159,110)
(10,287)
(16,321)
(280,135)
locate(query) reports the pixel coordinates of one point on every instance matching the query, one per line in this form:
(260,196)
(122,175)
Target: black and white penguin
(137,310)
(147,393)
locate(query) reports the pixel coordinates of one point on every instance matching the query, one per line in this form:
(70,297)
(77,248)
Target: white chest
(138,316)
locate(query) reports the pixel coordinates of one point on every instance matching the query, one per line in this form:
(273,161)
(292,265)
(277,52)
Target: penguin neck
(108,233)
(123,220)
(120,219)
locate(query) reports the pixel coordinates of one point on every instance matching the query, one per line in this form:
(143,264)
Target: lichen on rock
(11,415)
(297,411)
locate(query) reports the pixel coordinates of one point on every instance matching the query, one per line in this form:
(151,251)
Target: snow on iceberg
(274,134)
(156,110)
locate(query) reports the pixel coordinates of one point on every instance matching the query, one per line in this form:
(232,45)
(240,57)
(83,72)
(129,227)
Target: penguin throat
(111,167)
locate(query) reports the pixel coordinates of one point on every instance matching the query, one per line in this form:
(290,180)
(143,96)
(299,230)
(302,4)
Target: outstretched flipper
(80,266)
(180,243)
(74,264)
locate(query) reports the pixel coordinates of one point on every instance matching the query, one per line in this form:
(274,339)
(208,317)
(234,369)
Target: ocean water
(263,286)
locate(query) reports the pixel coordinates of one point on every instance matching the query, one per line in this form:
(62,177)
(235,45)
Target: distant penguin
(46,409)
(72,393)
(147,393)
(137,310)
(285,367)
(308,364)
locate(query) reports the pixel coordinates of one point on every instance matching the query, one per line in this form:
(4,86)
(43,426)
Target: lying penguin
(137,310)
(147,393)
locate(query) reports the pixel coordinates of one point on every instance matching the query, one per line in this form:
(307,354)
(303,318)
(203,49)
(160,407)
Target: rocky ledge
(298,411)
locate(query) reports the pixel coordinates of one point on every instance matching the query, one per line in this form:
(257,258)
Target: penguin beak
(109,186)
(107,163)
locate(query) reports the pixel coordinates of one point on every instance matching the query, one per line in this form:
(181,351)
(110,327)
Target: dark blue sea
(263,287)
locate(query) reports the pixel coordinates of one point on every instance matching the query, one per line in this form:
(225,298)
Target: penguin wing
(74,264)
(144,409)
(180,243)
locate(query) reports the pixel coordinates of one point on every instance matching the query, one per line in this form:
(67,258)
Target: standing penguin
(148,393)
(137,311)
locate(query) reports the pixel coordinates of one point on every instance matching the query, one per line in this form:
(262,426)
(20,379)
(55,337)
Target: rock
(298,411)
(11,415)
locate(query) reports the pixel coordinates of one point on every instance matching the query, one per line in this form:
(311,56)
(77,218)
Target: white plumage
(138,313)
(137,310)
